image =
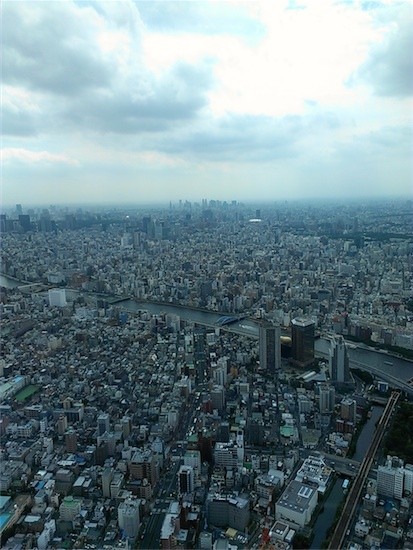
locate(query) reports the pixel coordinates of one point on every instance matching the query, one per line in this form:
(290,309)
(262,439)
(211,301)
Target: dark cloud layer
(144,103)
(77,85)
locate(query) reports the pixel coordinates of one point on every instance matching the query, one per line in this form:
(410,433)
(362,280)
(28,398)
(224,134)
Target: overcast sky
(143,101)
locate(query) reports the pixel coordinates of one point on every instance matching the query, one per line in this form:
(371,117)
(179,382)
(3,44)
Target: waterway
(8,282)
(326,517)
(337,496)
(366,435)
(389,366)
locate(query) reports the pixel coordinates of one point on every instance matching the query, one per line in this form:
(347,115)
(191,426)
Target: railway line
(354,494)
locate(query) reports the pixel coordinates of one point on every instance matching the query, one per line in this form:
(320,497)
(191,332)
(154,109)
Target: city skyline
(151,102)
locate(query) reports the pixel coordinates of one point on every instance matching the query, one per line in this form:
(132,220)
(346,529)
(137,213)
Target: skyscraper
(302,333)
(270,347)
(339,365)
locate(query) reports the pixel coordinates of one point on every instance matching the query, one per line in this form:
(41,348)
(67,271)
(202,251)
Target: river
(9,282)
(247,327)
(336,496)
(392,368)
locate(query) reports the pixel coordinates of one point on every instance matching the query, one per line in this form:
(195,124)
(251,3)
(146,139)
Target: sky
(123,101)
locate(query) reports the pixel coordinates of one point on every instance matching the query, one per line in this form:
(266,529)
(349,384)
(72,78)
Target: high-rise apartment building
(327,397)
(128,518)
(302,335)
(57,297)
(390,478)
(348,409)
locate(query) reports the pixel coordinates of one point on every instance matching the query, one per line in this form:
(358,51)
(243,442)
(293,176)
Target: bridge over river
(393,369)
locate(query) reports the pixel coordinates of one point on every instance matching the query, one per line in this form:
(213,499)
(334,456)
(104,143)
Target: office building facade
(270,347)
(302,335)
(338,360)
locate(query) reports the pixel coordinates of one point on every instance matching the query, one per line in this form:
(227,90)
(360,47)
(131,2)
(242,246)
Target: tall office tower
(240,447)
(200,353)
(339,365)
(126,426)
(186,479)
(71,441)
(270,347)
(219,375)
(57,297)
(107,476)
(223,432)
(218,397)
(128,518)
(103,423)
(327,398)
(62,424)
(348,409)
(302,335)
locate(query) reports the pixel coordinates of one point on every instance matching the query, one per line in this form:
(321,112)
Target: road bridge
(342,465)
(393,380)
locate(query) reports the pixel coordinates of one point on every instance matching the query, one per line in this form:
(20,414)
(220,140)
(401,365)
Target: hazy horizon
(137,102)
(166,204)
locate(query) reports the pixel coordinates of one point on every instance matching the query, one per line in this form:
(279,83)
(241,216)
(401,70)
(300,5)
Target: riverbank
(7,281)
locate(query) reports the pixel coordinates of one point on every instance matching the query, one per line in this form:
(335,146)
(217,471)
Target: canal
(336,496)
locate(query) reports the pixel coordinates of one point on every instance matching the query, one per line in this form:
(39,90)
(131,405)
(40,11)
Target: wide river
(392,368)
(389,366)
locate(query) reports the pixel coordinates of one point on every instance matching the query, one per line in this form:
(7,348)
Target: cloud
(219,92)
(202,18)
(52,47)
(87,61)
(389,67)
(20,111)
(249,138)
(10,154)
(145,103)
